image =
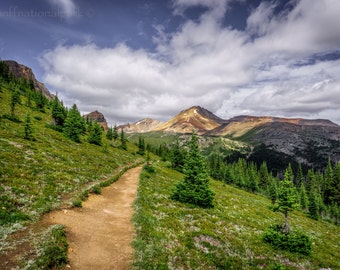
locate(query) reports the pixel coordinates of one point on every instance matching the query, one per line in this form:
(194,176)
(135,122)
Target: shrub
(149,168)
(295,241)
(12,118)
(96,189)
(38,117)
(77,203)
(54,254)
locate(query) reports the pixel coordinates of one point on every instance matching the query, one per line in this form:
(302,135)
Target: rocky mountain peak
(97,116)
(195,118)
(21,71)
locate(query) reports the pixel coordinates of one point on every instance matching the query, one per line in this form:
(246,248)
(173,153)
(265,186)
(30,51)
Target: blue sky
(132,59)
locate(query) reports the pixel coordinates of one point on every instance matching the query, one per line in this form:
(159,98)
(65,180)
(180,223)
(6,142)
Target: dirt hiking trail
(100,233)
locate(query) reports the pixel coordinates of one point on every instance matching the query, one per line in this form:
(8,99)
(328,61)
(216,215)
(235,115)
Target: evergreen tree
(29,98)
(28,128)
(141,146)
(310,181)
(59,112)
(335,212)
(336,193)
(109,134)
(289,173)
(115,133)
(327,187)
(253,185)
(123,140)
(177,156)
(194,189)
(299,176)
(74,125)
(313,207)
(40,100)
(272,190)
(4,71)
(15,99)
(95,136)
(303,197)
(287,198)
(148,159)
(263,176)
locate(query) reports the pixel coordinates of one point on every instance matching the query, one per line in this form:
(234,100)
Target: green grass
(154,138)
(37,175)
(171,235)
(53,249)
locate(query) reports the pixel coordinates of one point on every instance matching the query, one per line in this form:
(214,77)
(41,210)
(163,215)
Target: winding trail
(100,233)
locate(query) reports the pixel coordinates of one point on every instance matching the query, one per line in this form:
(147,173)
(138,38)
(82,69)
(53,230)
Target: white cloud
(227,71)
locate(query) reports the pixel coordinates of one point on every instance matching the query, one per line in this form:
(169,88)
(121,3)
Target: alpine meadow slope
(173,235)
(42,172)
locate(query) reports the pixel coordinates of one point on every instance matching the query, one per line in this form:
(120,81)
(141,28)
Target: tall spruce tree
(328,185)
(263,176)
(59,112)
(313,206)
(194,189)
(115,133)
(287,198)
(109,134)
(95,136)
(141,146)
(74,125)
(123,140)
(28,130)
(177,156)
(15,99)
(336,194)
(303,197)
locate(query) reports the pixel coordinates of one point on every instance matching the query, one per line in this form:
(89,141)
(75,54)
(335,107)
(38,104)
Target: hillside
(171,235)
(45,173)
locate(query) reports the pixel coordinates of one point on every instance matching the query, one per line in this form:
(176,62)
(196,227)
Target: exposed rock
(21,71)
(97,116)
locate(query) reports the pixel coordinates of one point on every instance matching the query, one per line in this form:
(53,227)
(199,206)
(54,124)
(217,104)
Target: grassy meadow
(171,235)
(49,171)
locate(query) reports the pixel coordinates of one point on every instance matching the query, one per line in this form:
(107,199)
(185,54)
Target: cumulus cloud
(264,70)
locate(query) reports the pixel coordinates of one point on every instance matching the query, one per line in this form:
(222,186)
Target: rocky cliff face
(21,71)
(98,117)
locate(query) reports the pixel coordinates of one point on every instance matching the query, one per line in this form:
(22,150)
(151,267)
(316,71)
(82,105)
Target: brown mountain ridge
(304,140)
(205,122)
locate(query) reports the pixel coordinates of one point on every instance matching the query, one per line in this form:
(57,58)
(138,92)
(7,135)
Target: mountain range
(307,141)
(205,122)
